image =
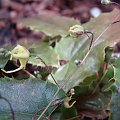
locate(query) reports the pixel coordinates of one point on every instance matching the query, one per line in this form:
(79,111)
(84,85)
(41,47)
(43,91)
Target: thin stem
(115,4)
(11,109)
(71,75)
(85,57)
(88,32)
(49,104)
(115,22)
(33,118)
(100,81)
(49,71)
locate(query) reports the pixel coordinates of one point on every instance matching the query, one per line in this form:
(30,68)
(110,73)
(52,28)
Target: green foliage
(117,70)
(27,96)
(51,25)
(115,107)
(67,113)
(46,52)
(3,57)
(92,78)
(78,47)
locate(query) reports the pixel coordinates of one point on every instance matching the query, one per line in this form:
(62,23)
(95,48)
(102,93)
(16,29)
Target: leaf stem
(88,32)
(72,74)
(106,70)
(49,104)
(56,104)
(49,71)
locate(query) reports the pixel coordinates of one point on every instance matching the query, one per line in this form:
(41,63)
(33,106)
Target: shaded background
(12,10)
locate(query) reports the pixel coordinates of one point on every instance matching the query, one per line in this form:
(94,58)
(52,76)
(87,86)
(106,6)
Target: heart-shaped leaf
(103,37)
(27,97)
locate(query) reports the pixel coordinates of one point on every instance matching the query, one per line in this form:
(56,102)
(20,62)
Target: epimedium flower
(76,30)
(20,53)
(66,102)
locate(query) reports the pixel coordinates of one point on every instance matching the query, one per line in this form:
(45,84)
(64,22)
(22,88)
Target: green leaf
(108,53)
(27,97)
(117,70)
(109,75)
(68,113)
(3,57)
(108,85)
(3,117)
(115,107)
(51,25)
(94,104)
(88,80)
(46,53)
(56,116)
(73,49)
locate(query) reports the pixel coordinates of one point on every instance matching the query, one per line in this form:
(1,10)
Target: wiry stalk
(72,74)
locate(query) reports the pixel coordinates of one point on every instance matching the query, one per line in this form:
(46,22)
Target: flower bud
(105,2)
(76,30)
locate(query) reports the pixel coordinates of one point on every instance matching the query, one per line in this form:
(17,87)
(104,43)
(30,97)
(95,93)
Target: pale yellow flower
(66,102)
(20,53)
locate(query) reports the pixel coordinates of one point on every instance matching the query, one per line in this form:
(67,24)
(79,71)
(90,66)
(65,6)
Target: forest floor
(11,10)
